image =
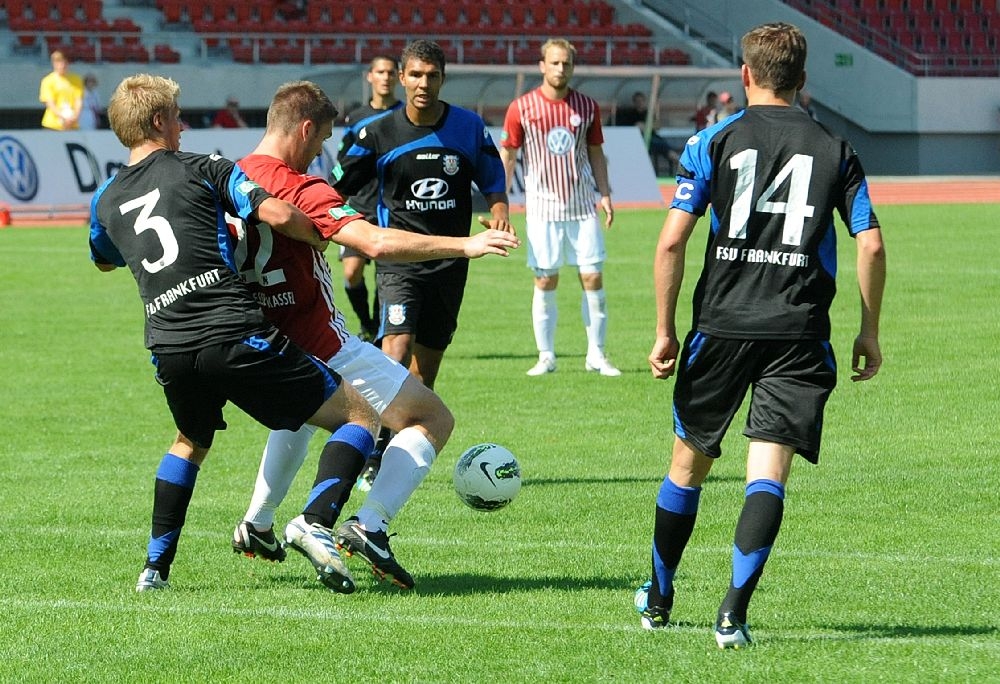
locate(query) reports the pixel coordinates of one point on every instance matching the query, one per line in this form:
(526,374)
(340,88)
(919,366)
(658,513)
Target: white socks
(594,309)
(283,456)
(405,464)
(543,318)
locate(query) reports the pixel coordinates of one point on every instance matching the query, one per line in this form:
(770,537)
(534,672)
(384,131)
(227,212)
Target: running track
(884,191)
(919,190)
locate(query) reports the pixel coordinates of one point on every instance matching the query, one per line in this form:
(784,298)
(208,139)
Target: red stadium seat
(165,54)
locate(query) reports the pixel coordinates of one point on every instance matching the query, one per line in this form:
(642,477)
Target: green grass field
(886,569)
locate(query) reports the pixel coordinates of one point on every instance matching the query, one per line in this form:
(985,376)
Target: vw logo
(18,173)
(559,141)
(429,188)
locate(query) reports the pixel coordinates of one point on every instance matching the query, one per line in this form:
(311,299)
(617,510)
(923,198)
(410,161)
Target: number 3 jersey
(163,217)
(770,178)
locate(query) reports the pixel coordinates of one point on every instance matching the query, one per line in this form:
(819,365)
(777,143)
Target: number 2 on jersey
(798,173)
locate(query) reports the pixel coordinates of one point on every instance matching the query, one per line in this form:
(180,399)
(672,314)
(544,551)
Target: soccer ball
(487,477)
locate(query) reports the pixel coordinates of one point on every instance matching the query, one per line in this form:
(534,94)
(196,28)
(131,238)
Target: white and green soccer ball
(487,477)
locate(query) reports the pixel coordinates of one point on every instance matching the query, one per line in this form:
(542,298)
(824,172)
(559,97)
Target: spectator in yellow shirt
(62,93)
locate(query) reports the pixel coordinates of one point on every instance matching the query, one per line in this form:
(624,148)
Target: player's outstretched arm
(871,283)
(393,244)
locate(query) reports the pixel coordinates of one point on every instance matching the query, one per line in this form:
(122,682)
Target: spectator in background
(92,109)
(62,92)
(700,116)
(637,115)
(229,117)
(726,108)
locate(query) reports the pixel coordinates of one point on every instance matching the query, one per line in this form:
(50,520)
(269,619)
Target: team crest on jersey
(451,164)
(559,141)
(342,212)
(246,187)
(575,120)
(396,313)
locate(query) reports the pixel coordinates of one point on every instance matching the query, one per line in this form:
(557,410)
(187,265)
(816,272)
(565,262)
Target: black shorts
(267,376)
(423,306)
(790,381)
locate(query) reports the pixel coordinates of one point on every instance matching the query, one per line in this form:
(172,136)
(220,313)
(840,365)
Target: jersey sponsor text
(181,289)
(762,256)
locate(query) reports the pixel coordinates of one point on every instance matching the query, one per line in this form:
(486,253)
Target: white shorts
(369,371)
(552,244)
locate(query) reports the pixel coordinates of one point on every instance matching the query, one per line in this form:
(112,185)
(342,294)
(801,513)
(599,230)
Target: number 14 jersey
(770,178)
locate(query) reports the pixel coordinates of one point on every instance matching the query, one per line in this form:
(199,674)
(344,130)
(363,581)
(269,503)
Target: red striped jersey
(553,136)
(289,279)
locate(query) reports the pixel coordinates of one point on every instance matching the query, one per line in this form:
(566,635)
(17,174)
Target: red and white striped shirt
(553,136)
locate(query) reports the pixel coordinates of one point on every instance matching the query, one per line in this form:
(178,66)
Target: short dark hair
(381,58)
(424,50)
(776,55)
(298,101)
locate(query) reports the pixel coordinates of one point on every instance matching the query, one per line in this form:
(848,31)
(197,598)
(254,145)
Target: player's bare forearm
(393,244)
(509,157)
(668,268)
(866,355)
(290,221)
(871,279)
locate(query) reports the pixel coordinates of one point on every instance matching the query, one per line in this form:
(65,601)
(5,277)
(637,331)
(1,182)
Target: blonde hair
(135,102)
(298,101)
(559,43)
(776,56)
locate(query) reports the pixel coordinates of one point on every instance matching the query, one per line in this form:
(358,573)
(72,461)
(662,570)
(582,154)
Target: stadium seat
(165,54)
(334,51)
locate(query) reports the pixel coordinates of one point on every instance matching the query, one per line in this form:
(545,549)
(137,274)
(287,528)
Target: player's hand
(663,357)
(490,242)
(609,211)
(503,224)
(865,348)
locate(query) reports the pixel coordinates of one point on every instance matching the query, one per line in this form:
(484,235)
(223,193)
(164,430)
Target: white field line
(985,641)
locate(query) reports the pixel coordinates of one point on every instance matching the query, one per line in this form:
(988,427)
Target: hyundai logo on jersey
(429,188)
(18,172)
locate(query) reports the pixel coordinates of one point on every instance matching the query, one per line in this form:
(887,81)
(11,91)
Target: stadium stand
(353,30)
(331,31)
(924,37)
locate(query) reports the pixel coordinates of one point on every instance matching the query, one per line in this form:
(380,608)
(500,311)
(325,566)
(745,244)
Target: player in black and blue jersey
(383,76)
(425,157)
(163,216)
(771,179)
